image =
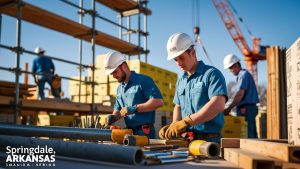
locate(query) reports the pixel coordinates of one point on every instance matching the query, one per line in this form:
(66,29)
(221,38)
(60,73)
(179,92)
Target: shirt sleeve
(33,69)
(217,84)
(242,82)
(149,89)
(118,101)
(52,65)
(176,97)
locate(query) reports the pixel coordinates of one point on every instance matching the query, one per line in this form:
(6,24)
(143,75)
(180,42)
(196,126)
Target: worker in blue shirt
(43,71)
(200,94)
(137,96)
(246,96)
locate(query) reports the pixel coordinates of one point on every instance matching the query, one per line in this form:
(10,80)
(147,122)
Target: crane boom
(251,56)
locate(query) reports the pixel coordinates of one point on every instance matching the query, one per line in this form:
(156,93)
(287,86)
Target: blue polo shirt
(42,65)
(245,81)
(139,89)
(193,92)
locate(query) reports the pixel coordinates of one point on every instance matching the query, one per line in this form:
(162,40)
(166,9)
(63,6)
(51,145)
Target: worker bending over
(200,94)
(137,96)
(245,97)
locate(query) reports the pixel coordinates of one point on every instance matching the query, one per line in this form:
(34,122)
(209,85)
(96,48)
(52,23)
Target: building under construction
(59,132)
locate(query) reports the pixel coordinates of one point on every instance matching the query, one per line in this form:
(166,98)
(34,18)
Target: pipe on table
(134,140)
(83,150)
(201,147)
(56,132)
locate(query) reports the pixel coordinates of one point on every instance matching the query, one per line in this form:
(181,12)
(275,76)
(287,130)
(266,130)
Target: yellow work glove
(162,131)
(178,127)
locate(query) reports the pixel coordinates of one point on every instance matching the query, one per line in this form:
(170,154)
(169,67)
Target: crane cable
(195,21)
(240,19)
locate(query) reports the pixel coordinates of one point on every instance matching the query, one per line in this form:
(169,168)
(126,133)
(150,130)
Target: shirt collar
(132,78)
(199,69)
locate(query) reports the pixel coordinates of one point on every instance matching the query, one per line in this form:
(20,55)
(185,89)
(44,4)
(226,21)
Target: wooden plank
(248,160)
(58,23)
(54,105)
(4,91)
(278,150)
(136,11)
(181,143)
(124,5)
(276,93)
(230,142)
(290,166)
(13,85)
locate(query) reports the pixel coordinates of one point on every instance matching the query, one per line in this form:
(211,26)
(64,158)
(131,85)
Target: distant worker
(137,96)
(200,94)
(245,97)
(43,71)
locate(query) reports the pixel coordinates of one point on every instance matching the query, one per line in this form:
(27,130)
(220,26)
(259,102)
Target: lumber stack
(293,92)
(261,154)
(276,94)
(9,89)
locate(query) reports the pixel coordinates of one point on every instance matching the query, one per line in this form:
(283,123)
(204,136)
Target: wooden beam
(279,150)
(135,12)
(58,23)
(54,105)
(276,94)
(124,5)
(229,143)
(248,160)
(13,85)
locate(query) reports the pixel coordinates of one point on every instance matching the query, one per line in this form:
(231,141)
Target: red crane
(251,56)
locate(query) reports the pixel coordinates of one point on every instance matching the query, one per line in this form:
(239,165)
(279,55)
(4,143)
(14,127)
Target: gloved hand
(110,119)
(162,131)
(127,110)
(178,127)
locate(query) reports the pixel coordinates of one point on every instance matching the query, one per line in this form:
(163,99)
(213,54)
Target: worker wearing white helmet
(246,96)
(43,71)
(200,94)
(137,96)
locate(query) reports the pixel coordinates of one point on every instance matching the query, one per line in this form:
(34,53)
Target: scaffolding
(28,12)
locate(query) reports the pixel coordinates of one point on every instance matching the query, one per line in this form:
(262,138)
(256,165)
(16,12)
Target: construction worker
(137,96)
(246,96)
(43,71)
(200,94)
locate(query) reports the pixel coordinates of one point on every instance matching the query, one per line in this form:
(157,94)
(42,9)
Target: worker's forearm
(150,105)
(209,110)
(176,113)
(237,98)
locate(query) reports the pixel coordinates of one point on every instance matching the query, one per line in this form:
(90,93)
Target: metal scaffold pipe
(56,132)
(90,151)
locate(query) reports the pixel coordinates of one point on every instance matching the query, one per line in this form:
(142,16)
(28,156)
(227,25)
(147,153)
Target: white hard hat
(112,61)
(230,60)
(39,50)
(177,44)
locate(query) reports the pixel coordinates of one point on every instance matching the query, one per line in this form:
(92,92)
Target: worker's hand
(178,127)
(110,119)
(127,110)
(227,111)
(36,79)
(162,131)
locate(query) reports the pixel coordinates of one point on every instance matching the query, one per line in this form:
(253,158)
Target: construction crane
(258,52)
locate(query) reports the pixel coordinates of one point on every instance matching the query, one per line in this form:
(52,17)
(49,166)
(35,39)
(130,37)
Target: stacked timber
(261,154)
(293,92)
(276,94)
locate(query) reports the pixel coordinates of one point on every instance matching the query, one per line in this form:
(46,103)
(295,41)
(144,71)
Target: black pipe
(90,151)
(55,132)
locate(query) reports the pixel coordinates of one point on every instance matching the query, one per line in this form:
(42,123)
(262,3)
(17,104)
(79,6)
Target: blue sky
(276,22)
